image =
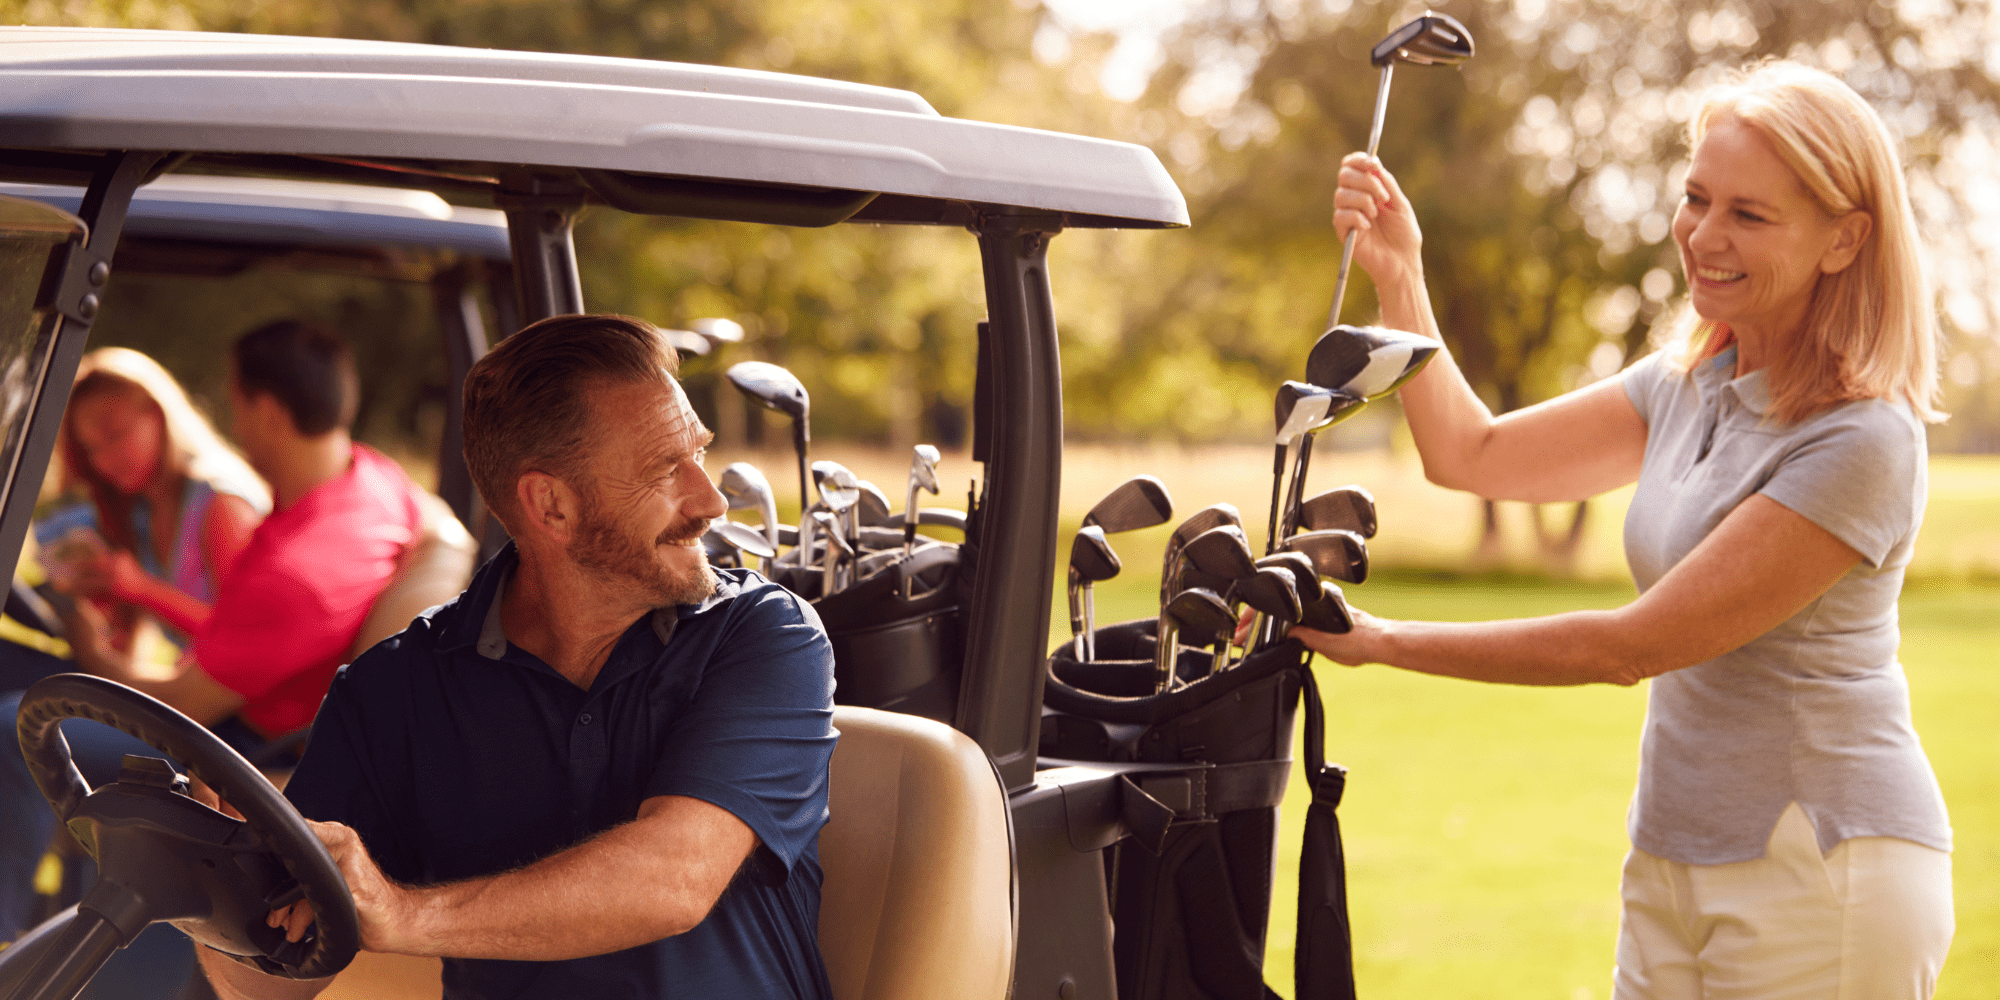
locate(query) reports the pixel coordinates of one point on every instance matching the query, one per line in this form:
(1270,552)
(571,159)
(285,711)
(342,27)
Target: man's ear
(548,507)
(1850,232)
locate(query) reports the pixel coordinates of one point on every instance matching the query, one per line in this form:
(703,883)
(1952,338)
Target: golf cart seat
(918,895)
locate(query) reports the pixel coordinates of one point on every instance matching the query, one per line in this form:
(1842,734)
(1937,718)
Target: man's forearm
(651,878)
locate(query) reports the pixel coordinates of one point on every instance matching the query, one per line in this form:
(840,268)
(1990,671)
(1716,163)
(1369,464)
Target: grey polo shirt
(1817,710)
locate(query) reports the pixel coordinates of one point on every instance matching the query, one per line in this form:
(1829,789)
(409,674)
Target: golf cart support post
(553,133)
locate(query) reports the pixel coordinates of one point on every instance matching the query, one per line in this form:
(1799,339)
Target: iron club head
(1271,591)
(1350,508)
(1340,554)
(873,507)
(1221,551)
(745,538)
(1140,502)
(1200,615)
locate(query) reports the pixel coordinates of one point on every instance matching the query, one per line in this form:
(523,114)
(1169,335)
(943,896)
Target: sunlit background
(1485,826)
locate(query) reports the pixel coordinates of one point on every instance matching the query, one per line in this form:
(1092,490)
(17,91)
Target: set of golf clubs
(846,535)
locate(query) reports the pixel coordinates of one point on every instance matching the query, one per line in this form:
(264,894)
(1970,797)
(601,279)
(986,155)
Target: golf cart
(536,138)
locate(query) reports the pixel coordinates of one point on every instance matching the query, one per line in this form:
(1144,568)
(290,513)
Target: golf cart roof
(282,215)
(646,136)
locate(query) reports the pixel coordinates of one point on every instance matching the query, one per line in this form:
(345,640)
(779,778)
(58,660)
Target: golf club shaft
(1089,621)
(800,437)
(1347,245)
(1277,488)
(1076,628)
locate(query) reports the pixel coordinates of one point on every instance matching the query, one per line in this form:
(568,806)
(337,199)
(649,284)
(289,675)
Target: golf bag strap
(1158,799)
(1323,964)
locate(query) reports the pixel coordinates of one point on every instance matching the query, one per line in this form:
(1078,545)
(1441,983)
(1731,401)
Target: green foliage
(1544,173)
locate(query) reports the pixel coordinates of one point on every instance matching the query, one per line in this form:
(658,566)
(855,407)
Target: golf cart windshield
(30,232)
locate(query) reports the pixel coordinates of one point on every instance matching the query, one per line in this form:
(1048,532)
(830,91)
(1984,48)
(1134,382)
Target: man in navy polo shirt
(602,771)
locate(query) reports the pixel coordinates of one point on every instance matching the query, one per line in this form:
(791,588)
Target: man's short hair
(307,369)
(526,405)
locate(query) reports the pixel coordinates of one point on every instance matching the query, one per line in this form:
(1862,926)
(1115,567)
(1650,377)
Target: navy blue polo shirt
(456,754)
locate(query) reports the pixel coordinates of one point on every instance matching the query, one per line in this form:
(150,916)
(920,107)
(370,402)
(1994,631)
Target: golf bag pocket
(898,636)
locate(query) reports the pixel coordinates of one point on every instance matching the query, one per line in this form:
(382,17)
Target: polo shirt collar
(489,637)
(1718,374)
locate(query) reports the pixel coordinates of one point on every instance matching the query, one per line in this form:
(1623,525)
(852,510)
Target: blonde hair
(1870,330)
(190,447)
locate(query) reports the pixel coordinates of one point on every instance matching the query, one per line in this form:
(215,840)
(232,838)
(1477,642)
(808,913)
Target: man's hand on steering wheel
(383,904)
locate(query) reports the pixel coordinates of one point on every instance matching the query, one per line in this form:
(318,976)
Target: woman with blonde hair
(1788,835)
(175,503)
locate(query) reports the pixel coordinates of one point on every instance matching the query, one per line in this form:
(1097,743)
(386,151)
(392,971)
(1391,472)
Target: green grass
(1485,825)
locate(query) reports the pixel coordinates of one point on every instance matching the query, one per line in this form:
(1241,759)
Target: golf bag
(898,636)
(1190,887)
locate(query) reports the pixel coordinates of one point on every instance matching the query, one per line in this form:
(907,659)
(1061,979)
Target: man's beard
(605,550)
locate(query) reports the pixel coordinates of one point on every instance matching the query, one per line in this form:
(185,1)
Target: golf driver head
(1431,40)
(744,538)
(1368,361)
(873,507)
(1091,557)
(772,386)
(1200,615)
(1270,591)
(1350,508)
(1221,551)
(1342,555)
(1140,502)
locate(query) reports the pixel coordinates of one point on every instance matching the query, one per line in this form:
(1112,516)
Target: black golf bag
(1190,888)
(898,639)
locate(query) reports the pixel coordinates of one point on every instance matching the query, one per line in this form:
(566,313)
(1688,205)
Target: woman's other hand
(1370,201)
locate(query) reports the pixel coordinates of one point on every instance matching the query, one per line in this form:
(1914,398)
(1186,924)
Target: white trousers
(1870,921)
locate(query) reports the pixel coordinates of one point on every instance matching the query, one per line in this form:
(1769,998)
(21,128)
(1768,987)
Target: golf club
(1431,40)
(1350,508)
(744,485)
(840,492)
(1300,408)
(873,509)
(779,390)
(1139,502)
(1203,616)
(1198,522)
(923,476)
(1090,560)
(1337,553)
(836,549)
(748,540)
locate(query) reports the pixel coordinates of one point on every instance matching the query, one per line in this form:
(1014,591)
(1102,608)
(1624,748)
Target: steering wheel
(162,855)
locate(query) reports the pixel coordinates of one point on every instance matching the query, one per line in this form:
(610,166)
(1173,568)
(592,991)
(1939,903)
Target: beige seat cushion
(918,899)
(431,571)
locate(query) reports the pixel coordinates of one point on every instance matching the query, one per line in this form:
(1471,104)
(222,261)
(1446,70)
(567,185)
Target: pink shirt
(288,611)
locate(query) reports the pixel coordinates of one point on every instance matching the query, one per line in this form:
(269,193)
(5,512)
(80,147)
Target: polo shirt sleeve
(260,632)
(757,737)
(1856,476)
(1642,382)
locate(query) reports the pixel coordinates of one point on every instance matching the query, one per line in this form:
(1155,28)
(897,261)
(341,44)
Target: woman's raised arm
(1572,447)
